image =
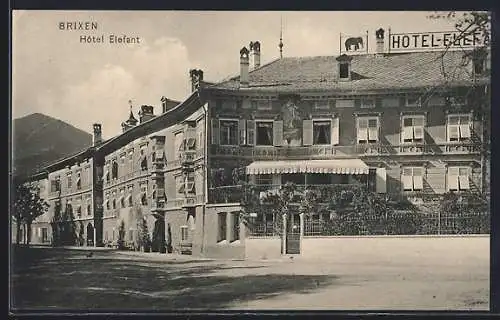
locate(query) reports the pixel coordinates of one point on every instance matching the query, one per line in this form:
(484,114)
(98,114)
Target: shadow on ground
(65,279)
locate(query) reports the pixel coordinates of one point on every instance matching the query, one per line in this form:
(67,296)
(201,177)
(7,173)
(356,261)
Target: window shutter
(407,133)
(243,132)
(464,182)
(418,183)
(452,132)
(381,180)
(335,131)
(373,133)
(362,134)
(250,132)
(215,131)
(307,132)
(407,182)
(418,132)
(278,133)
(452,178)
(464,131)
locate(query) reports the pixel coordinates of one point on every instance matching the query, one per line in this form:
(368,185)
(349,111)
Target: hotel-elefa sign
(436,40)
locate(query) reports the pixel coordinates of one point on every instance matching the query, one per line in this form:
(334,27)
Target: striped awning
(335,166)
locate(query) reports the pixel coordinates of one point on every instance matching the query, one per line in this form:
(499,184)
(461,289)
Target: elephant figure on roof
(356,42)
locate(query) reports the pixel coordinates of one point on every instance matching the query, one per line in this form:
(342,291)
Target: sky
(83,83)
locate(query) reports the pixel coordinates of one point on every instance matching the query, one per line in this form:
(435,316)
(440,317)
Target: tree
(27,206)
(143,238)
(121,235)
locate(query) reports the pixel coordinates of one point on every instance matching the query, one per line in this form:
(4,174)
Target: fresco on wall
(292,124)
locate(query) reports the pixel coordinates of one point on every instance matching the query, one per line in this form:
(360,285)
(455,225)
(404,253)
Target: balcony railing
(234,194)
(326,151)
(188,157)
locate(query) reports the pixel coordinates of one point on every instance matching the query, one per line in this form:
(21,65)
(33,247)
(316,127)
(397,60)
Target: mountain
(39,140)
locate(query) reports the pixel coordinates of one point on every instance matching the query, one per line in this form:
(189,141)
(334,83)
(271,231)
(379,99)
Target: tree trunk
(28,233)
(18,232)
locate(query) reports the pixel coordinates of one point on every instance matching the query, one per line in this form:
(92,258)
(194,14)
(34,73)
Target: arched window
(122,202)
(114,170)
(114,204)
(89,209)
(130,201)
(144,200)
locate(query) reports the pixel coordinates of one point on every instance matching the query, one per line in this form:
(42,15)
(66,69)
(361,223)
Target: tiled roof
(368,72)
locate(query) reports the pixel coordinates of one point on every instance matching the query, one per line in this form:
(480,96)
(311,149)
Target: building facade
(406,125)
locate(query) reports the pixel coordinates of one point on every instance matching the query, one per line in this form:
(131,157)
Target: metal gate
(293,234)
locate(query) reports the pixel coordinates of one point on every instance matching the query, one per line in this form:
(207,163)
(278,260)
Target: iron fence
(398,223)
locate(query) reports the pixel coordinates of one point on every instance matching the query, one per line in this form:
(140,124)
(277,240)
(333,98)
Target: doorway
(293,234)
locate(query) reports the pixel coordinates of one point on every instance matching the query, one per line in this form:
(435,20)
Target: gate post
(283,235)
(301,230)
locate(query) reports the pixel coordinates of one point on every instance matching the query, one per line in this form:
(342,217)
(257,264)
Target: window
(144,190)
(412,101)
(184,233)
(130,202)
(190,183)
(181,184)
(264,133)
(55,185)
(190,144)
(458,128)
(70,182)
(79,211)
(122,202)
(228,132)
(265,179)
(78,181)
(367,103)
(89,207)
(368,129)
(178,144)
(107,203)
(322,105)
(458,178)
(321,132)
(412,178)
(144,164)
(44,235)
(344,71)
(262,104)
(114,170)
(412,129)
(107,176)
(235,227)
(456,100)
(114,203)
(222,226)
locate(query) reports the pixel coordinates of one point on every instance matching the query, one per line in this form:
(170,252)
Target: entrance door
(293,234)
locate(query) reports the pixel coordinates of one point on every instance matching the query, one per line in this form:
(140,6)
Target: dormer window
(344,71)
(479,57)
(412,101)
(344,67)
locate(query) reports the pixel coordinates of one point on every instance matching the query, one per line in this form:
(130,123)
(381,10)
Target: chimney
(244,67)
(196,76)
(97,137)
(146,113)
(255,54)
(379,36)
